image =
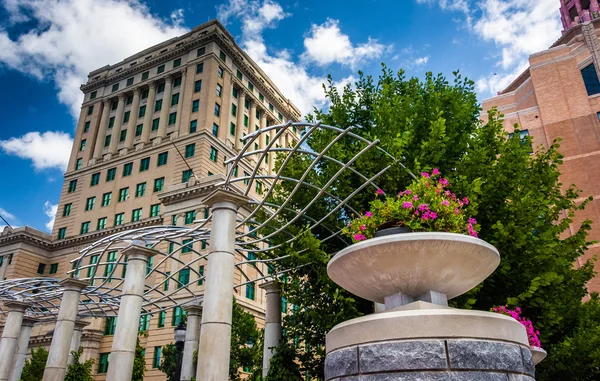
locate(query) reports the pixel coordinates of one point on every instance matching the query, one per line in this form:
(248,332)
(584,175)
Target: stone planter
(413,264)
(538,355)
(391,231)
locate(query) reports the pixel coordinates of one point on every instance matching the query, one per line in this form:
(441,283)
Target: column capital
(107,102)
(72,284)
(271,286)
(134,252)
(17,306)
(252,103)
(222,195)
(193,309)
(169,78)
(242,92)
(122,97)
(184,71)
(29,321)
(152,85)
(137,91)
(80,324)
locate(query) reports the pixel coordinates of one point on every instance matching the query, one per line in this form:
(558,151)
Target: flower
(359,237)
(368,214)
(445,202)
(415,198)
(435,172)
(380,191)
(472,221)
(363,227)
(425,174)
(466,201)
(456,211)
(433,215)
(443,181)
(408,191)
(407,205)
(423,207)
(532,333)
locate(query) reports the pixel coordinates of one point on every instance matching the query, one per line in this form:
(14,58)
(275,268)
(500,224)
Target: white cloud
(327,44)
(493,83)
(74,37)
(453,5)
(45,150)
(50,210)
(7,216)
(421,61)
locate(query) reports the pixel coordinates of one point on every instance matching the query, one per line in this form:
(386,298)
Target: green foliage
(168,364)
(34,367)
(139,362)
(79,371)
(520,204)
(244,332)
(284,365)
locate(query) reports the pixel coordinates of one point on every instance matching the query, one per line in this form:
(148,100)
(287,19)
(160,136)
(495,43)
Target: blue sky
(47,47)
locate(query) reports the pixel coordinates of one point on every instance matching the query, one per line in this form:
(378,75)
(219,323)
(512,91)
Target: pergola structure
(115,282)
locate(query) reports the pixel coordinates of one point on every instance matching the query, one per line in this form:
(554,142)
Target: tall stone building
(152,137)
(558,96)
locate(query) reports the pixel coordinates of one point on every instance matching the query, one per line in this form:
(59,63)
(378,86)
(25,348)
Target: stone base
(429,344)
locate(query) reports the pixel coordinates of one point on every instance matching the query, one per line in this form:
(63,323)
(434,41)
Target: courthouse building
(559,96)
(152,137)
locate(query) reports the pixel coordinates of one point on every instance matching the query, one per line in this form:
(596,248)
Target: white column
(272,323)
(102,129)
(262,138)
(76,339)
(116,130)
(183,130)
(56,366)
(239,127)
(252,117)
(166,105)
(192,337)
(133,117)
(10,336)
(215,335)
(149,113)
(22,348)
(120,363)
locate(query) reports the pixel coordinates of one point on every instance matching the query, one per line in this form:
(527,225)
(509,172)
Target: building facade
(152,138)
(558,96)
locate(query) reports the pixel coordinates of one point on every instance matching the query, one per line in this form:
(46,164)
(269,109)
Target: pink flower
(456,211)
(423,207)
(363,227)
(445,202)
(433,215)
(380,191)
(466,201)
(425,174)
(359,237)
(407,205)
(472,221)
(438,191)
(443,181)
(368,214)
(415,198)
(448,193)
(408,191)
(435,171)
(427,185)
(425,216)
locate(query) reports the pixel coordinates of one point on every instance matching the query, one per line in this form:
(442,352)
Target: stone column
(56,366)
(149,113)
(263,124)
(192,337)
(215,335)
(239,127)
(133,117)
(102,129)
(272,156)
(252,116)
(10,336)
(114,140)
(178,126)
(120,364)
(166,104)
(22,348)
(272,323)
(76,339)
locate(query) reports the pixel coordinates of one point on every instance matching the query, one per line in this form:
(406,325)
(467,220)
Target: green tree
(33,369)
(168,364)
(79,371)
(139,361)
(284,365)
(517,197)
(246,348)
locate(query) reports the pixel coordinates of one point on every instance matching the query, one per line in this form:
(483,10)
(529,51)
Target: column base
(436,344)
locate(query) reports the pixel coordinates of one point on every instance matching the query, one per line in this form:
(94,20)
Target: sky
(47,47)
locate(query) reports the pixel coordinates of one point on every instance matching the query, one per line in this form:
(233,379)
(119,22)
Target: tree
(168,364)
(33,370)
(517,197)
(246,348)
(139,361)
(284,365)
(79,371)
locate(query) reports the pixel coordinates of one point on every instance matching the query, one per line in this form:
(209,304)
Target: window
(174,99)
(85,227)
(82,145)
(162,317)
(186,175)
(232,129)
(145,93)
(145,75)
(162,159)
(156,358)
(144,164)
(246,176)
(122,136)
(233,109)
(62,233)
(136,215)
(129,100)
(161,88)
(219,90)
(123,194)
(110,324)
(213,154)
(177,82)
(246,103)
(142,112)
(220,72)
(195,105)
(115,87)
(93,95)
(138,130)
(129,81)
(127,169)
(197,86)
(106,198)
(204,245)
(271,107)
(101,223)
(239,75)
(160,69)
(90,202)
(190,150)
(200,275)
(217,109)
(177,62)
(78,163)
(258,187)
(246,120)
(158,105)
(250,291)
(235,171)
(200,68)
(250,86)
(190,217)
(235,92)
(108,270)
(155,124)
(183,278)
(280,117)
(261,97)
(201,51)
(222,56)
(215,129)
(140,189)
(144,323)
(53,268)
(67,210)
(166,286)
(154,210)
(86,127)
(114,106)
(103,363)
(178,314)
(159,184)
(172,118)
(590,79)
(193,126)
(41,268)
(107,141)
(111,122)
(119,219)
